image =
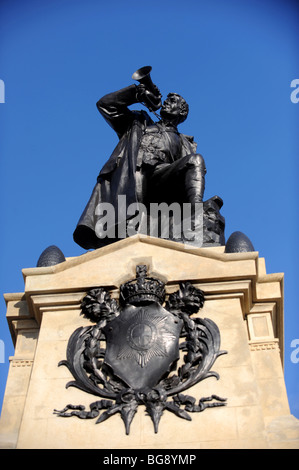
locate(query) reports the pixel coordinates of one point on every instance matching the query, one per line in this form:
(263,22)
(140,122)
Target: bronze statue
(152,163)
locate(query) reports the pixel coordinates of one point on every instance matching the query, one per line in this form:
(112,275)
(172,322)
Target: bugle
(143,76)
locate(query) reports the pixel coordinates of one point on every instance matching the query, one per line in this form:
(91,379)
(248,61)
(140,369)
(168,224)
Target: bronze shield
(142,344)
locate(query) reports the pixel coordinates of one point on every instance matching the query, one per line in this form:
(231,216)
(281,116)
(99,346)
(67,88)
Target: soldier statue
(152,162)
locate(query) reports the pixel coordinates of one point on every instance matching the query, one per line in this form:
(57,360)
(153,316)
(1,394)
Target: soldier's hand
(147,97)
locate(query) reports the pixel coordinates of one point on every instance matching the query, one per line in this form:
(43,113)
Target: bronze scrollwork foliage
(129,355)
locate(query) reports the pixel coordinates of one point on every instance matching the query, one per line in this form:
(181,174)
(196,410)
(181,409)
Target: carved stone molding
(20,362)
(261,346)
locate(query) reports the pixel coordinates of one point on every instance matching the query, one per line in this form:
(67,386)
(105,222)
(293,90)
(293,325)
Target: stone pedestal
(245,303)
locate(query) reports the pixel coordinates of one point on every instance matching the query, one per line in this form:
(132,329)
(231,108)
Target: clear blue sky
(232,60)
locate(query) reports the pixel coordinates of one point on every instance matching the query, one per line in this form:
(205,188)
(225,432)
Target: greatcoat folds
(144,148)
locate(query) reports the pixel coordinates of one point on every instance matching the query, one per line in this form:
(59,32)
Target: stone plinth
(245,303)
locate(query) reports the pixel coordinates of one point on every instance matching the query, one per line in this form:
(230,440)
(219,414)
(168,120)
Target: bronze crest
(129,356)
(142,344)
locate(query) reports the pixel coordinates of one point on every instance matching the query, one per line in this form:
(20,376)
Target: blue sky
(233,61)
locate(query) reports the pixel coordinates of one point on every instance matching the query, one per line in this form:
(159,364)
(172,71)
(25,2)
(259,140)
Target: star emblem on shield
(142,344)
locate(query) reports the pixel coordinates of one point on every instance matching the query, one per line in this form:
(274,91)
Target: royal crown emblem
(142,288)
(129,356)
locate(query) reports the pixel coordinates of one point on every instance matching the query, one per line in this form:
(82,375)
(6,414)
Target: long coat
(122,174)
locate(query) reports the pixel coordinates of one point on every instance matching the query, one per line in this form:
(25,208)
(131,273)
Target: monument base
(243,300)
